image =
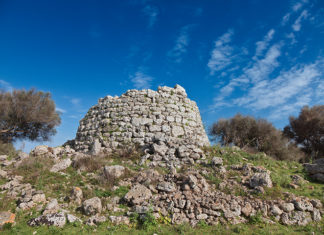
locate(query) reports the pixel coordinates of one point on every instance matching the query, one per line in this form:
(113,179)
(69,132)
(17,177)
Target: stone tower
(141,116)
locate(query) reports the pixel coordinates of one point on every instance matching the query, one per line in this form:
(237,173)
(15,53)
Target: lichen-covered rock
(61,165)
(138,194)
(113,172)
(56,219)
(95,220)
(92,206)
(217,161)
(76,195)
(6,217)
(260,179)
(72,219)
(52,207)
(116,220)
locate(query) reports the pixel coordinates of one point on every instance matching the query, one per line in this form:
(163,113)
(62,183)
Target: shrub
(307,130)
(249,133)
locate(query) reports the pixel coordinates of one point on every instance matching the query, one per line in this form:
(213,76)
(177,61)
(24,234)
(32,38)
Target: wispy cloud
(141,80)
(60,110)
(297,25)
(152,13)
(181,45)
(262,45)
(6,86)
(263,67)
(275,92)
(75,101)
(296,7)
(221,54)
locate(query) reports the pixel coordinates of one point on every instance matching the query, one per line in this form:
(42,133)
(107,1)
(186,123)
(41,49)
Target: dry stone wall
(142,117)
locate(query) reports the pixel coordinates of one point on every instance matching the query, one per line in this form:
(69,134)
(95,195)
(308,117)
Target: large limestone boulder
(92,206)
(55,219)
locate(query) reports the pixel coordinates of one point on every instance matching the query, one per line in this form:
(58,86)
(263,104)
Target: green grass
(281,172)
(256,227)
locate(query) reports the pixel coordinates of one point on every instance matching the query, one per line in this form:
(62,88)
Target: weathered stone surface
(52,207)
(6,217)
(56,219)
(287,207)
(303,204)
(3,173)
(72,219)
(217,161)
(260,179)
(95,220)
(41,150)
(61,165)
(114,172)
(92,206)
(76,195)
(119,220)
(138,194)
(166,187)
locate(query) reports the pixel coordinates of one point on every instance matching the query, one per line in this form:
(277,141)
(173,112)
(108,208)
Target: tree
(258,134)
(307,130)
(27,115)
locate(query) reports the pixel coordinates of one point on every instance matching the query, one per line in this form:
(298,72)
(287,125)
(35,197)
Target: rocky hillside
(141,164)
(58,190)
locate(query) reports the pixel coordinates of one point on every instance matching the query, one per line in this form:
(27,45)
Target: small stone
(114,172)
(76,195)
(6,217)
(275,210)
(116,220)
(217,161)
(51,207)
(302,204)
(316,215)
(92,206)
(61,165)
(260,179)
(201,216)
(72,218)
(287,207)
(247,210)
(138,194)
(95,220)
(166,187)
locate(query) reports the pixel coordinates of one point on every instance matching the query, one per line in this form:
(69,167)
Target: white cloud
(75,101)
(262,45)
(297,25)
(6,86)
(181,45)
(141,80)
(60,110)
(221,53)
(276,92)
(263,67)
(152,12)
(296,7)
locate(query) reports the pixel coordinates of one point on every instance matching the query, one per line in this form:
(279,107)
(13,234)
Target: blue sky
(263,58)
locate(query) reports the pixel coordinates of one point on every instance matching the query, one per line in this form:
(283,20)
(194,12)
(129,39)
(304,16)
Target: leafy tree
(27,115)
(257,134)
(307,130)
